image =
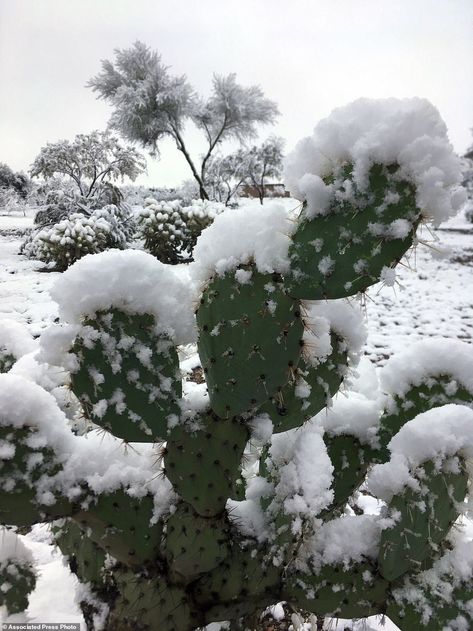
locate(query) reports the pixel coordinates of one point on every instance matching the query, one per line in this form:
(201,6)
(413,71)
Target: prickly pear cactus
(17,574)
(189,503)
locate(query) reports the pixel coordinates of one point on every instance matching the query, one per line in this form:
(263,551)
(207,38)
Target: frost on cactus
(185,503)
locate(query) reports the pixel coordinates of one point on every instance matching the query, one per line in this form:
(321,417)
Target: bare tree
(225,175)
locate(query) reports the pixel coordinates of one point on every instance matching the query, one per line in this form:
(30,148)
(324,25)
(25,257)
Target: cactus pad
(249,339)
(335,591)
(19,504)
(86,558)
(17,576)
(149,604)
(121,525)
(342,252)
(6,360)
(194,544)
(444,610)
(423,518)
(202,461)
(242,583)
(128,377)
(418,399)
(310,392)
(350,461)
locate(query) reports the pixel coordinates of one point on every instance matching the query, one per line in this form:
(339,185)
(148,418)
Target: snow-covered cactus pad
(202,502)
(17,574)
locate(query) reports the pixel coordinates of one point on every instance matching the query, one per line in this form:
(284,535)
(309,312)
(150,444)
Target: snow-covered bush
(190,503)
(170,230)
(70,239)
(11,201)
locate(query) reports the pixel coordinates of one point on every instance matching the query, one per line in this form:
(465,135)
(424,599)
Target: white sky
(307,55)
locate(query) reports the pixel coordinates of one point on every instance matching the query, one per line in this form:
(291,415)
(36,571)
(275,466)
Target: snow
(12,549)
(408,132)
(24,403)
(344,318)
(15,338)
(130,280)
(303,471)
(429,358)
(252,233)
(352,414)
(449,431)
(344,541)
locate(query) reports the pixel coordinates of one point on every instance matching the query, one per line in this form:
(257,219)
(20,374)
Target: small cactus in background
(188,504)
(73,237)
(170,230)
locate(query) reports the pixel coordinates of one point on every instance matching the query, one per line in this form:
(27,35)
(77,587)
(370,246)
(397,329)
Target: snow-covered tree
(17,182)
(225,175)
(150,104)
(91,161)
(265,161)
(253,166)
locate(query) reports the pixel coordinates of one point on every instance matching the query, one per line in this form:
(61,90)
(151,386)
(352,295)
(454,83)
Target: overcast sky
(307,55)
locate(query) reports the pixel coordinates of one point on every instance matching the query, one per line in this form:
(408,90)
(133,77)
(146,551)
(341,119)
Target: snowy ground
(433,297)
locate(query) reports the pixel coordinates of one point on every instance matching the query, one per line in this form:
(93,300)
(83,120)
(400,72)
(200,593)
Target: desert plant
(170,230)
(73,237)
(236,493)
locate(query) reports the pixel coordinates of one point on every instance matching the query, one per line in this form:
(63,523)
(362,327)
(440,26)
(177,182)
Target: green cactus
(149,518)
(335,591)
(21,470)
(86,558)
(344,251)
(291,403)
(423,518)
(17,574)
(116,522)
(250,338)
(6,360)
(203,461)
(128,377)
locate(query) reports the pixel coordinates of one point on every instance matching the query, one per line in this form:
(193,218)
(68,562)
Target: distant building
(271,190)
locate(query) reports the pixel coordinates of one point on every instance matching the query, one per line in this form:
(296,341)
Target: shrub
(72,238)
(170,230)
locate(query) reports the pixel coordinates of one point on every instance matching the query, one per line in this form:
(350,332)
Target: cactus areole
(179,503)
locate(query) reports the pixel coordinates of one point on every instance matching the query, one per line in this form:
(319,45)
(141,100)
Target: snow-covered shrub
(250,497)
(170,230)
(70,239)
(11,201)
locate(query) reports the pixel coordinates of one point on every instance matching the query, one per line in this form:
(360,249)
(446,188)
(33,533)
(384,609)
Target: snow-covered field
(432,296)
